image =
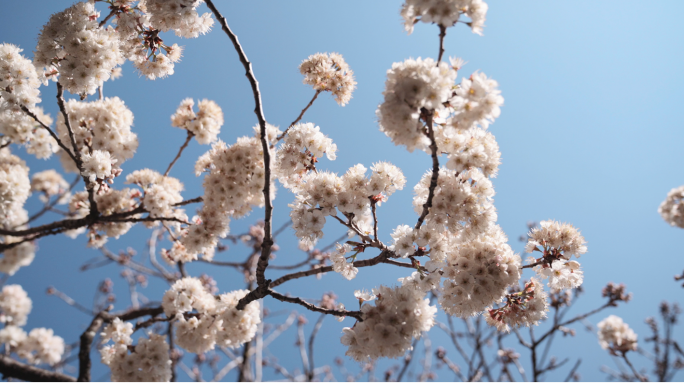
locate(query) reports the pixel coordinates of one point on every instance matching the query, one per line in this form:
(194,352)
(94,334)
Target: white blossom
(180,16)
(148,362)
(444,13)
(18,80)
(15,188)
(329,72)
(388,328)
(73,46)
(205,125)
(15,305)
(615,335)
(50,184)
(672,208)
(528,308)
(42,346)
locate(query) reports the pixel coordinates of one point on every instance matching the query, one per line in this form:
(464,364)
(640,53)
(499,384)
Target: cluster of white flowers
(72,45)
(469,148)
(141,45)
(478,274)
(562,238)
(180,16)
(18,79)
(103,125)
(340,264)
(329,72)
(217,321)
(17,257)
(672,208)
(148,362)
(205,125)
(388,328)
(15,305)
(233,185)
(444,13)
(38,347)
(615,335)
(320,193)
(160,192)
(411,86)
(22,129)
(561,274)
(303,146)
(558,242)
(462,203)
(476,102)
(97,165)
(49,183)
(525,308)
(15,188)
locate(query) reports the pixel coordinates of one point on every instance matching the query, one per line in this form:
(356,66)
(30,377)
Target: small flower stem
(435,169)
(301,114)
(180,151)
(442,34)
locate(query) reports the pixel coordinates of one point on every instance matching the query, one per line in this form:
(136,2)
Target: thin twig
(317,327)
(301,114)
(180,151)
(442,34)
(435,169)
(312,307)
(262,288)
(573,370)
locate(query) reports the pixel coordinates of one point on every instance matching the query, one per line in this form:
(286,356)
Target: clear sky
(590,133)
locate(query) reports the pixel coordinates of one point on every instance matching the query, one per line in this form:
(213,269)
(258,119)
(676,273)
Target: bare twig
(442,34)
(262,288)
(312,307)
(316,328)
(301,114)
(180,151)
(435,168)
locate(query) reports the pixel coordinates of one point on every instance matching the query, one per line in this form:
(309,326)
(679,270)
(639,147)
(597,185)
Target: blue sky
(590,133)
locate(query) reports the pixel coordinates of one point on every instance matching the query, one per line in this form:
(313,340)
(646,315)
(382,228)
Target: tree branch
(281,136)
(262,283)
(11,368)
(435,168)
(312,307)
(180,151)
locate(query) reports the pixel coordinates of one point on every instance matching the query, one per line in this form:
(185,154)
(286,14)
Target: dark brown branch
(301,114)
(375,219)
(52,133)
(109,16)
(384,255)
(435,169)
(77,152)
(85,344)
(262,283)
(14,369)
(636,374)
(312,307)
(442,34)
(180,151)
(189,201)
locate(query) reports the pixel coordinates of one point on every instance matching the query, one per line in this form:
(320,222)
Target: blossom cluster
(21,129)
(478,273)
(214,320)
(525,308)
(50,183)
(444,13)
(141,45)
(149,361)
(205,125)
(462,203)
(15,188)
(301,149)
(399,315)
(180,16)
(73,46)
(18,79)
(160,192)
(329,72)
(672,208)
(233,185)
(615,335)
(40,345)
(558,242)
(320,194)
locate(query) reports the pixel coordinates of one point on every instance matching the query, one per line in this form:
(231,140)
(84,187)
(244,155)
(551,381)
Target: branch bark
(11,368)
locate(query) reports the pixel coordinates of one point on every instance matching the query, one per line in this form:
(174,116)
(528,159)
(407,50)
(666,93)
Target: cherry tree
(455,257)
